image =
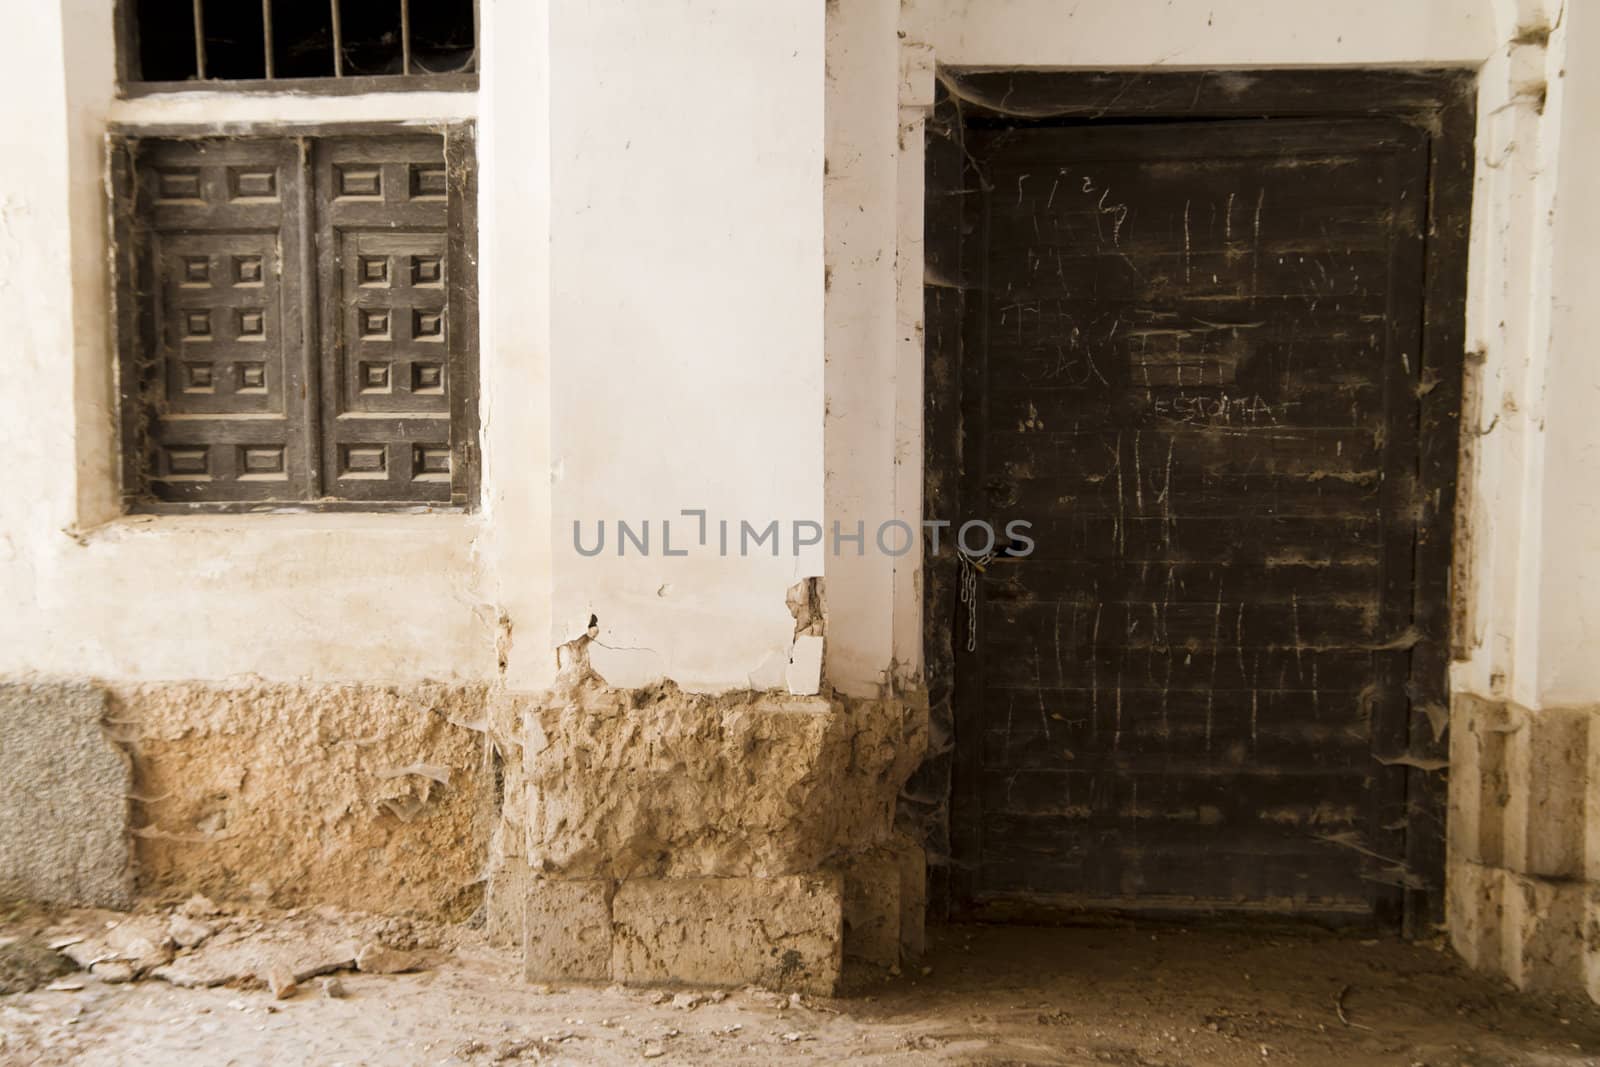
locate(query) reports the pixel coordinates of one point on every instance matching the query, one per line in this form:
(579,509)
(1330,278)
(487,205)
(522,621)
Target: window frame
(130,85)
(131,314)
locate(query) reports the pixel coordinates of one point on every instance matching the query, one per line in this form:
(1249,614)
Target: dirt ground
(1136,996)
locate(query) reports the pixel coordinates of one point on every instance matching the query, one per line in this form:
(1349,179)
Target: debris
(425,770)
(281,981)
(140,942)
(187,933)
(64,987)
(376,958)
(26,964)
(651,1052)
(113,971)
(142,952)
(660,997)
(515,1050)
(198,906)
(241,952)
(687,1001)
(399,932)
(332,989)
(795,1035)
(1338,1006)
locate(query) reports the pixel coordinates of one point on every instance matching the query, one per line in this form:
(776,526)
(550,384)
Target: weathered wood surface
(1198,350)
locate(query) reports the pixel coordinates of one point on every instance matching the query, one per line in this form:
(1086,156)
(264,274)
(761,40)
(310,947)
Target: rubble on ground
(200,944)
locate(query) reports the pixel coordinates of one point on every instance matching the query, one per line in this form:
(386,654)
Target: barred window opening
(356,44)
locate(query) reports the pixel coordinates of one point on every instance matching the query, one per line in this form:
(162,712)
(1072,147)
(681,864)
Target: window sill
(346,86)
(221,111)
(410,522)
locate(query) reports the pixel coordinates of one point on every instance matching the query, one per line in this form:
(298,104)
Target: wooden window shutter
(298,321)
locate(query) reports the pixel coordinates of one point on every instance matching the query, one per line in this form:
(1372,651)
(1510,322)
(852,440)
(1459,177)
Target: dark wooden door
(1198,350)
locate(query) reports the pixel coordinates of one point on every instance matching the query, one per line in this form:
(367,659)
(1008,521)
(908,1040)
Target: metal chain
(970,569)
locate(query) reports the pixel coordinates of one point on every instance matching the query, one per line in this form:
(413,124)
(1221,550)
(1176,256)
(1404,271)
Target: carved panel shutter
(386,318)
(218,374)
(298,321)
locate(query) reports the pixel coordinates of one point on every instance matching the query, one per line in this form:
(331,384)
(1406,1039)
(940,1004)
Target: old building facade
(1269,319)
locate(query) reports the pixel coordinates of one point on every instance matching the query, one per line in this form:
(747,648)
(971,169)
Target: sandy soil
(1137,996)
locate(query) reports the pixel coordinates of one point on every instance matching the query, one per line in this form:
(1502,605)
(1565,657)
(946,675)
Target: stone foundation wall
(63,797)
(1523,887)
(657,836)
(643,836)
(378,798)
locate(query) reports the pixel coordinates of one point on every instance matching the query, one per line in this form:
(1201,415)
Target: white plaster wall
(85,592)
(1509,505)
(653,218)
(685,252)
(1569,641)
(861,436)
(1200,33)
(514,332)
(686,244)
(651,275)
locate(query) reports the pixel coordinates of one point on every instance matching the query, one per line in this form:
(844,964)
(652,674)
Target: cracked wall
(643,835)
(654,835)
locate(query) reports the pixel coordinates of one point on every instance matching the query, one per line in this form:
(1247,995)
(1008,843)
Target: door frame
(1441,101)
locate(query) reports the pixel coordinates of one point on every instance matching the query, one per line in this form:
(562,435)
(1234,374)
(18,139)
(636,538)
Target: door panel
(1199,347)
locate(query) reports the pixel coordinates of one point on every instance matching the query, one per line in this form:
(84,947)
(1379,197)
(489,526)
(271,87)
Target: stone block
(567,931)
(505,901)
(913,863)
(64,828)
(1542,933)
(872,912)
(1591,941)
(1476,823)
(658,783)
(780,933)
(1472,911)
(1591,820)
(1547,763)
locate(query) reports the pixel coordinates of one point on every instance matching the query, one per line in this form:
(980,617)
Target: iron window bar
(412,73)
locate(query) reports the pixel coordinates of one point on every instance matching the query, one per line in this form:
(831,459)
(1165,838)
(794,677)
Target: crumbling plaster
(653,835)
